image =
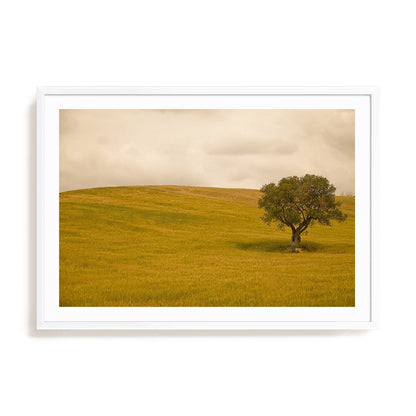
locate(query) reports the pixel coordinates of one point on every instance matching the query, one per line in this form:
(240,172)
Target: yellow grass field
(194,246)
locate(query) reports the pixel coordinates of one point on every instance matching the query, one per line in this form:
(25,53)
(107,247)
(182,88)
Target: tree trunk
(295,240)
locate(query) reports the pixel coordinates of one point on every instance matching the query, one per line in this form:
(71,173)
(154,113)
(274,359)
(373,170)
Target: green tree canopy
(299,202)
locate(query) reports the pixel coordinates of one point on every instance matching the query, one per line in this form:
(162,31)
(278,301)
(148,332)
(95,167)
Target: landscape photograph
(207,208)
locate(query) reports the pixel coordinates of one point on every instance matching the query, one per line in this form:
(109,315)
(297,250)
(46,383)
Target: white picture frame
(362,316)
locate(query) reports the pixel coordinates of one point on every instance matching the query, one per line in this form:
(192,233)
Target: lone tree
(299,202)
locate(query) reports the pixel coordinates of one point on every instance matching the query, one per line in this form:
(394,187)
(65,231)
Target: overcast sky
(222,148)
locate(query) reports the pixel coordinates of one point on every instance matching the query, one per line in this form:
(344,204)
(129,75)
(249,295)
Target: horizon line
(350,194)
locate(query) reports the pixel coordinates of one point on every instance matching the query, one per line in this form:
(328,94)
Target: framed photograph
(207,208)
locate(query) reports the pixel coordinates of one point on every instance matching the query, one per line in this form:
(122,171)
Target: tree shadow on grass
(280,246)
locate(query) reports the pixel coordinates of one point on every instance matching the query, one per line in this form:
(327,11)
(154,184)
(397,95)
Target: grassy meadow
(194,246)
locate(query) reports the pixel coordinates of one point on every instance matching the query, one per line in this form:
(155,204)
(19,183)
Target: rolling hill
(194,246)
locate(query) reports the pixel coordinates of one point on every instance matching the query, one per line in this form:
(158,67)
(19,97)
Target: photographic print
(207,207)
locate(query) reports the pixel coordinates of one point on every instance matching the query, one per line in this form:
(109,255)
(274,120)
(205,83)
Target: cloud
(253,146)
(226,148)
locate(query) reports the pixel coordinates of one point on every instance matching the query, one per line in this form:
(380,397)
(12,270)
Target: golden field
(194,246)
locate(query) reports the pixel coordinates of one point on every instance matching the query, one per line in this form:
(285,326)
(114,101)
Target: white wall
(207,43)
